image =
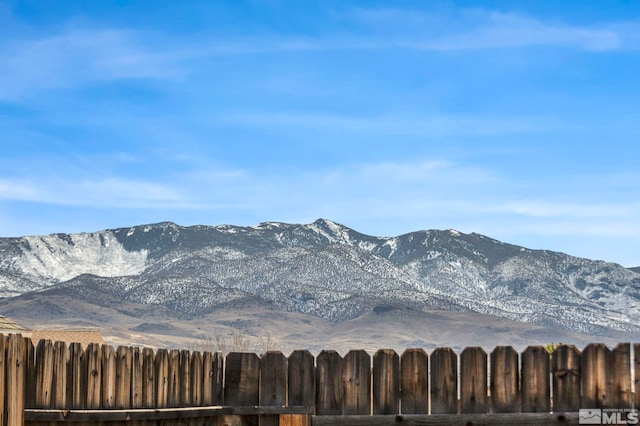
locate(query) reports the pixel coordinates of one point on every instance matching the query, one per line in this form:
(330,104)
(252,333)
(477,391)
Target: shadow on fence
(55,382)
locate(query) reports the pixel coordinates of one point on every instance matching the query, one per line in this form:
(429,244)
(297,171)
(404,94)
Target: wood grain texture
(329,383)
(473,381)
(386,382)
(505,379)
(414,381)
(565,371)
(536,390)
(444,381)
(357,383)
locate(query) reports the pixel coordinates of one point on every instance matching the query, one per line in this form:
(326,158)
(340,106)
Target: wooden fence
(53,382)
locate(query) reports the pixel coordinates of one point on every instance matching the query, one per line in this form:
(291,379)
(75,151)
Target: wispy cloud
(392,124)
(76,56)
(508,30)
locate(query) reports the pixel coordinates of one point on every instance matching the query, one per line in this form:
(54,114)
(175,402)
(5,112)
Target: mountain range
(314,285)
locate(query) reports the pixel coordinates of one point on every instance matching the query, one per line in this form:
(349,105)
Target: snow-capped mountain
(322,269)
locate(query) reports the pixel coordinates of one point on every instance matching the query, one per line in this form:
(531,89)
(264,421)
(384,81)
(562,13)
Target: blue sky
(517,120)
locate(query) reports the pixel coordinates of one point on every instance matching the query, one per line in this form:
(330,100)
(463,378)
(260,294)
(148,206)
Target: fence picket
(273,384)
(594,363)
(565,369)
(60,374)
(357,383)
(505,379)
(473,381)
(620,376)
(301,379)
(92,369)
(636,377)
(3,377)
(44,374)
(242,379)
(162,378)
(124,365)
(77,377)
(213,372)
(197,379)
(16,379)
(444,381)
(414,381)
(536,392)
(329,384)
(184,374)
(109,375)
(386,382)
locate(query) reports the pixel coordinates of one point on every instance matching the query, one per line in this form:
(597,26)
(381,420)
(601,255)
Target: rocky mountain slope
(321,270)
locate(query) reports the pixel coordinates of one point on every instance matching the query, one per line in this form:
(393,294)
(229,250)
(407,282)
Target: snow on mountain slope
(327,270)
(57,258)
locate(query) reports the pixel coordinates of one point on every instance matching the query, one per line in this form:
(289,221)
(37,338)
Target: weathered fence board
(386,382)
(357,383)
(92,370)
(16,379)
(535,380)
(242,379)
(636,369)
(565,371)
(619,382)
(162,378)
(593,367)
(60,374)
(77,379)
(473,381)
(414,382)
(44,374)
(109,376)
(505,379)
(329,384)
(3,378)
(444,381)
(273,384)
(301,379)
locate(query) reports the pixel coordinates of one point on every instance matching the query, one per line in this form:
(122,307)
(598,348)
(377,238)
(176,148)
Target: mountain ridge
(323,270)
